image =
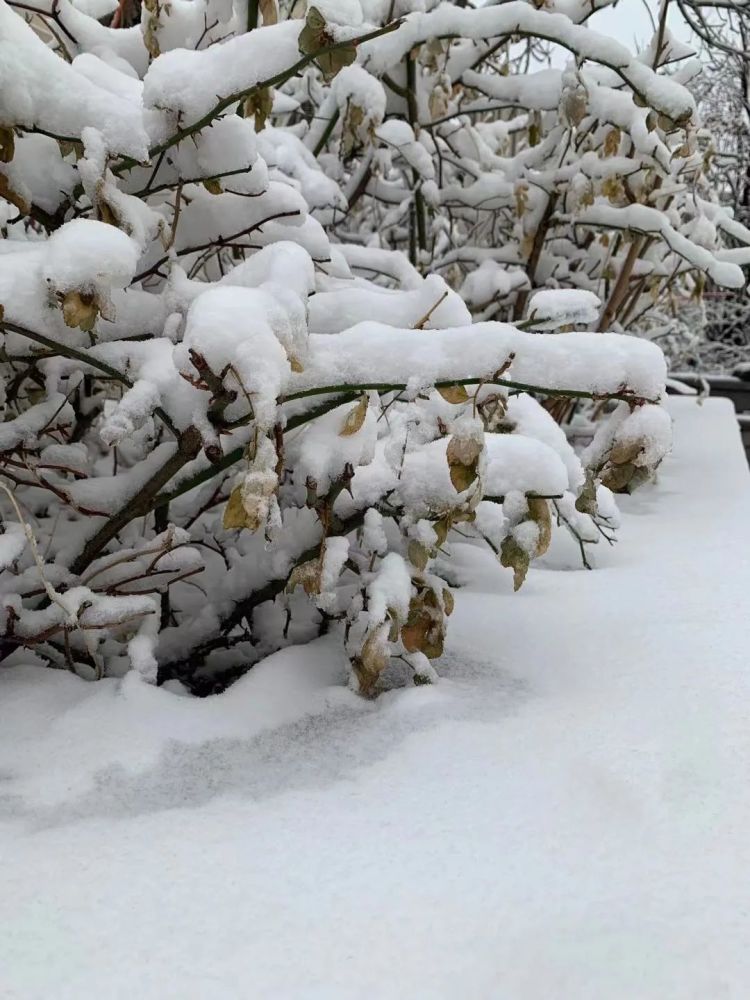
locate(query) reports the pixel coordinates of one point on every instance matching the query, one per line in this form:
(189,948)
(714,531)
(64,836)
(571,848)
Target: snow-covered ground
(566,815)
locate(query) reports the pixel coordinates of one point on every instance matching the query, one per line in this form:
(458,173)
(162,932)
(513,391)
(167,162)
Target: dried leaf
(258,105)
(354,418)
(522,199)
(586,500)
(612,142)
(7,192)
(541,516)
(332,62)
(462,476)
(463,461)
(613,189)
(313,36)
(465,450)
(441,529)
(453,393)
(448,601)
(512,556)
(308,575)
(424,628)
(269,11)
(617,477)
(7,143)
(625,451)
(213,185)
(574,106)
(80,309)
(418,554)
(234,512)
(371,662)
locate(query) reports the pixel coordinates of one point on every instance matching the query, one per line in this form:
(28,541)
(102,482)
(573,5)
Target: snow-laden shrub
(223,431)
(513,147)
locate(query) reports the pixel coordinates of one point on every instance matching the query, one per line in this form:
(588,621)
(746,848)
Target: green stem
(127,163)
(72,353)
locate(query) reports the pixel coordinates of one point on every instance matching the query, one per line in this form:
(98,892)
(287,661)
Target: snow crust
(568,806)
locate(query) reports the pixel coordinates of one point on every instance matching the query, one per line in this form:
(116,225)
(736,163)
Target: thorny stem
(127,163)
(74,354)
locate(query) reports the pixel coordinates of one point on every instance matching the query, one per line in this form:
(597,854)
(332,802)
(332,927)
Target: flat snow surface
(566,815)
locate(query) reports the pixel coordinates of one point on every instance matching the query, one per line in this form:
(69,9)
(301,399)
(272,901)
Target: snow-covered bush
(522,149)
(226,429)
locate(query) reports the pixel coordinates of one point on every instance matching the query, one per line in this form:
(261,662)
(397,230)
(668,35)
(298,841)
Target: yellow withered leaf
(540,515)
(354,418)
(612,142)
(463,461)
(453,393)
(7,143)
(259,104)
(269,11)
(308,576)
(312,37)
(7,192)
(234,512)
(462,476)
(448,601)
(512,556)
(213,185)
(625,451)
(418,554)
(80,310)
(371,662)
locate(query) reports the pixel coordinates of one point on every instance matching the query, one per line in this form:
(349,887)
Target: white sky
(630,24)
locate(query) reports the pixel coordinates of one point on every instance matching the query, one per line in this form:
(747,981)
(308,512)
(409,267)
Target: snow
(552,308)
(85,253)
(40,90)
(564,814)
(192,83)
(646,220)
(595,362)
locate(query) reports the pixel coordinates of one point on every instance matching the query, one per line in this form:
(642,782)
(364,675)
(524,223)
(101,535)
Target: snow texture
(565,814)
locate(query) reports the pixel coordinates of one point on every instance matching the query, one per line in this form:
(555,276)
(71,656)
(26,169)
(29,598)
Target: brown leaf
(612,142)
(213,185)
(7,143)
(625,451)
(462,476)
(453,393)
(512,556)
(586,500)
(463,461)
(269,11)
(332,62)
(354,418)
(540,515)
(423,631)
(448,601)
(7,192)
(80,310)
(308,575)
(313,36)
(259,104)
(234,512)
(617,477)
(371,662)
(418,554)
(464,450)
